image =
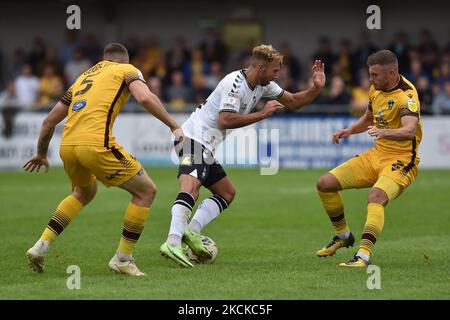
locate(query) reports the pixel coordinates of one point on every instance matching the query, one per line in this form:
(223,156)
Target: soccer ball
(212,247)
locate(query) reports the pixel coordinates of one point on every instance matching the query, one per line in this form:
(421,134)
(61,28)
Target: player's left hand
(36,163)
(375,132)
(318,74)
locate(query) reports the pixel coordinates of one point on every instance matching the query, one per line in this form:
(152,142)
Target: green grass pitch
(267,240)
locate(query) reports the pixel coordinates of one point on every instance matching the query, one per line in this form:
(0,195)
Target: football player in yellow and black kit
(90,152)
(393,119)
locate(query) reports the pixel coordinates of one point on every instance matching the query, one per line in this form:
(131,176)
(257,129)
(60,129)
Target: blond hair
(267,53)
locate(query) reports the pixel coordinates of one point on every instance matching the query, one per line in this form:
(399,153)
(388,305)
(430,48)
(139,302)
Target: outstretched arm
(152,104)
(231,120)
(300,99)
(55,116)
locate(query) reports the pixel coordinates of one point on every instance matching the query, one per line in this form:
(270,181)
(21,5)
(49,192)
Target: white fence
(304,141)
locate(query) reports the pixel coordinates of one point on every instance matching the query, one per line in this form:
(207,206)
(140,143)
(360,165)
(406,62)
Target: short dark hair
(383,58)
(115,52)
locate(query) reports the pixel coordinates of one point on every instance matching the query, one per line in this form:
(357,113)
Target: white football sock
(180,216)
(208,210)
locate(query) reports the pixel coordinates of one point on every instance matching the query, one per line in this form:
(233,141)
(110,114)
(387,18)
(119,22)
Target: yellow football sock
(135,218)
(65,212)
(373,227)
(334,206)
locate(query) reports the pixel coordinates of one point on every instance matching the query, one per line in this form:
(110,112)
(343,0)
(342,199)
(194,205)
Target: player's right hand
(36,163)
(179,134)
(340,134)
(270,107)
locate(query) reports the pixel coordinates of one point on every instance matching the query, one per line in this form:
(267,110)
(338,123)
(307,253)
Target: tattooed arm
(55,116)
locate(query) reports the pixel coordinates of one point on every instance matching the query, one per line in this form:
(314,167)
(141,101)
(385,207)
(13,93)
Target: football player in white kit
(229,106)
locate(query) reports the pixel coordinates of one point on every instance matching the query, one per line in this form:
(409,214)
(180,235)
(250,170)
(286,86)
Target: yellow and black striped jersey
(388,107)
(94,101)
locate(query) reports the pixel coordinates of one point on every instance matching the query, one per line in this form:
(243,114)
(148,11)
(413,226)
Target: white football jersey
(232,94)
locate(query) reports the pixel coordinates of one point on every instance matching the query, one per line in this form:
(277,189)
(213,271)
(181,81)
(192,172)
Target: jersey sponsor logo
(187,160)
(390,104)
(412,105)
(78,105)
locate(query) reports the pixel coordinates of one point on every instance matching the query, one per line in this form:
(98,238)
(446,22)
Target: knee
(229,195)
(85,195)
(326,183)
(377,195)
(149,193)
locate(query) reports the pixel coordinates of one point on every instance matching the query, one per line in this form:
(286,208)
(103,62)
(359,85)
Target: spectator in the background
(197,65)
(178,94)
(416,71)
(37,54)
(51,58)
(425,92)
(444,74)
(291,61)
(199,90)
(214,76)
(92,48)
(338,92)
(160,70)
(155,86)
(344,58)
(9,106)
(428,50)
(178,55)
(19,60)
(284,79)
(152,54)
(213,48)
(363,51)
(2,70)
(324,53)
(76,66)
(133,44)
(401,47)
(51,86)
(27,87)
(441,102)
(360,95)
(69,46)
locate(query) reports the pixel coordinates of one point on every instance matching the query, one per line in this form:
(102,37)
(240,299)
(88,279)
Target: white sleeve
(230,98)
(272,90)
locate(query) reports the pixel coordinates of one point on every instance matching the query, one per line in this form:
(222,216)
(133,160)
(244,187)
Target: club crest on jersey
(78,105)
(390,104)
